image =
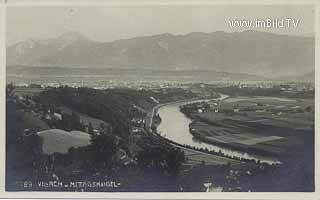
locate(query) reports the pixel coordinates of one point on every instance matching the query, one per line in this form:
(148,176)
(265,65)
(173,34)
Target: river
(175,127)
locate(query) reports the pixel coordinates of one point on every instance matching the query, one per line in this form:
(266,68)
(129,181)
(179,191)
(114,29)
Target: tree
(102,126)
(90,129)
(9,89)
(174,160)
(104,148)
(308,109)
(151,157)
(162,158)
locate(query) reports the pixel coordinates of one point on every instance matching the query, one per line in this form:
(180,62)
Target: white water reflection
(175,126)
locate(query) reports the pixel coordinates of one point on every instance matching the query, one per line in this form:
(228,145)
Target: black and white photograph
(160,98)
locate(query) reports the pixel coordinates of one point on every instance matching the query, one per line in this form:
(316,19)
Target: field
(267,125)
(284,112)
(27,91)
(197,157)
(56,140)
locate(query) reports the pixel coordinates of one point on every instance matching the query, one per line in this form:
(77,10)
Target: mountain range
(249,52)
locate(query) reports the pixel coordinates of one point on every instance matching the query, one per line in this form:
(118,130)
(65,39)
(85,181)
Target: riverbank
(174,127)
(266,126)
(238,147)
(150,115)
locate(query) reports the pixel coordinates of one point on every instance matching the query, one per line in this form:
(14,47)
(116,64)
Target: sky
(108,23)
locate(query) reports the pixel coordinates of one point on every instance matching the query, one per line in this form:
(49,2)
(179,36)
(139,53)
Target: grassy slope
(56,140)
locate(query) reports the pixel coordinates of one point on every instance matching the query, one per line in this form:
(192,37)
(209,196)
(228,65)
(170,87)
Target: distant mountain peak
(23,46)
(166,34)
(72,36)
(196,34)
(29,42)
(260,53)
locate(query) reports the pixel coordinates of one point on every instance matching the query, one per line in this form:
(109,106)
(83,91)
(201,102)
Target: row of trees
(160,157)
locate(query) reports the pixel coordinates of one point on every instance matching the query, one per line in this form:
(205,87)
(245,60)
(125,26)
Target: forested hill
(114,106)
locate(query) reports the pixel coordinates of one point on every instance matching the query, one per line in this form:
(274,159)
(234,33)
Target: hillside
(310,76)
(48,73)
(56,140)
(251,52)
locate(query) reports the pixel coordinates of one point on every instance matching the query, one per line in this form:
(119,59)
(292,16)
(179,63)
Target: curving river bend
(175,127)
